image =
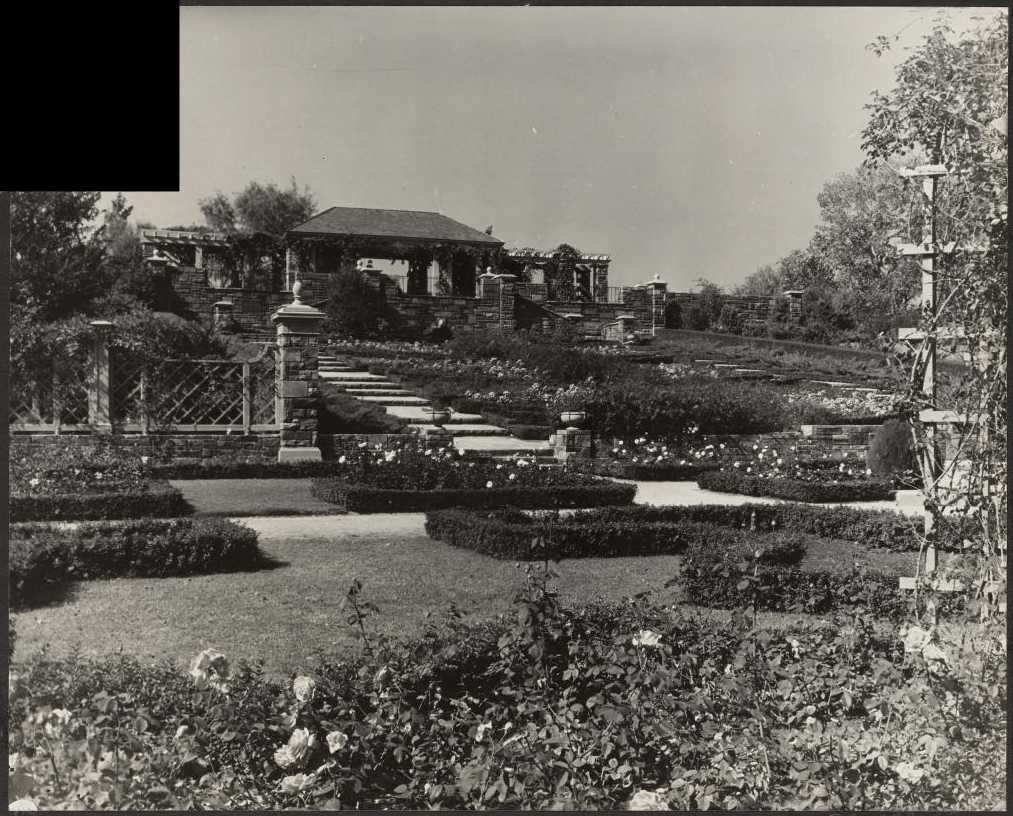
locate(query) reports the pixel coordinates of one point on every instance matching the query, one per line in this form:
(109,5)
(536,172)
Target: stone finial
(297,292)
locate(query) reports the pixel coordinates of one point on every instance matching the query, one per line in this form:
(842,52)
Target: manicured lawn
(253,497)
(284,614)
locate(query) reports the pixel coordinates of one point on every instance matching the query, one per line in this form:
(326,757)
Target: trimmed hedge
(882,529)
(358,498)
(637,470)
(511,534)
(44,557)
(159,500)
(799,490)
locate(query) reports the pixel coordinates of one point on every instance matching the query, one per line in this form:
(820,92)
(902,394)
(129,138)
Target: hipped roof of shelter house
(392,225)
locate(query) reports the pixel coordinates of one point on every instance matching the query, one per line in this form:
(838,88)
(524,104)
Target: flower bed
(97,481)
(511,534)
(794,489)
(154,500)
(483,709)
(647,472)
(44,557)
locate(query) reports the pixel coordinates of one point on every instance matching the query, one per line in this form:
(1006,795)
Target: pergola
(590,273)
(336,239)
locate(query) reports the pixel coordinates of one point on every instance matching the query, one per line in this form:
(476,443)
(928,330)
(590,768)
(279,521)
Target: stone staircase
(470,431)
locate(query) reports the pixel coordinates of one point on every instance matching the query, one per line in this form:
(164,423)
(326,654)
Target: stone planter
(437,416)
(572,419)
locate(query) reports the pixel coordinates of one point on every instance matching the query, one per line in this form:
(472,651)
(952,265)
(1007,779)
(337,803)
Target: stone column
(222,317)
(297,379)
(99,385)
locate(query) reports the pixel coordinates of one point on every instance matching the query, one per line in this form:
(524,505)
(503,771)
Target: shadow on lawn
(55,594)
(267,562)
(65,592)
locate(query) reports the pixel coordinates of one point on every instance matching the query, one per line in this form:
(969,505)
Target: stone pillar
(222,319)
(297,379)
(627,327)
(99,385)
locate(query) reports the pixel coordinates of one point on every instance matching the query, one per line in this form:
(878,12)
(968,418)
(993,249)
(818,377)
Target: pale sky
(686,142)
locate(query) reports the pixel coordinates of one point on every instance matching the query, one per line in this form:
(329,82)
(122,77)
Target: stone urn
(572,419)
(436,416)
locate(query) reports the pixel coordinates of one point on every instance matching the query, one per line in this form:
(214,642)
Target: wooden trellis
(926,252)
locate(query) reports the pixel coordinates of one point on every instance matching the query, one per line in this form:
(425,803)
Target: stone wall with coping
(186,290)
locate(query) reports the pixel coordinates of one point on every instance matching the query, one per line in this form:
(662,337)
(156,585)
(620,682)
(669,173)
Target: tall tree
(259,208)
(864,215)
(56,253)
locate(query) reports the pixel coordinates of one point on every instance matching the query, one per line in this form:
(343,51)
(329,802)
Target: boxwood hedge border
(43,557)
(359,498)
(159,500)
(798,490)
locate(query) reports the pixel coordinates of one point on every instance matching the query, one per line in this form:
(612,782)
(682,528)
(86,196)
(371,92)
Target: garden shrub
(799,490)
(157,499)
(358,498)
(892,449)
(344,414)
(44,557)
(511,534)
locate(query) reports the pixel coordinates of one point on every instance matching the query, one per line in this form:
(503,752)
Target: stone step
(351,376)
(418,415)
(395,400)
(377,391)
(476,429)
(333,367)
(503,445)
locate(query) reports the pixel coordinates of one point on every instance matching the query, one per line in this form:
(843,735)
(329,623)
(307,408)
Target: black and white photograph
(553,408)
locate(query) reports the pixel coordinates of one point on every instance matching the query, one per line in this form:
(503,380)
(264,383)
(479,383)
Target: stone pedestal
(570,441)
(297,379)
(440,437)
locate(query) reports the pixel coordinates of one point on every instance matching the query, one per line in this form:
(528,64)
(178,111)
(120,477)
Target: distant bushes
(44,557)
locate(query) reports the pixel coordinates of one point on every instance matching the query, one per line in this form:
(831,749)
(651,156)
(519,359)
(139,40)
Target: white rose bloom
(336,740)
(647,800)
(305,689)
(645,637)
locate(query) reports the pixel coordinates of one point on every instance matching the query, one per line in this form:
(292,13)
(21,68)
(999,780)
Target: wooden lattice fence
(169,396)
(53,399)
